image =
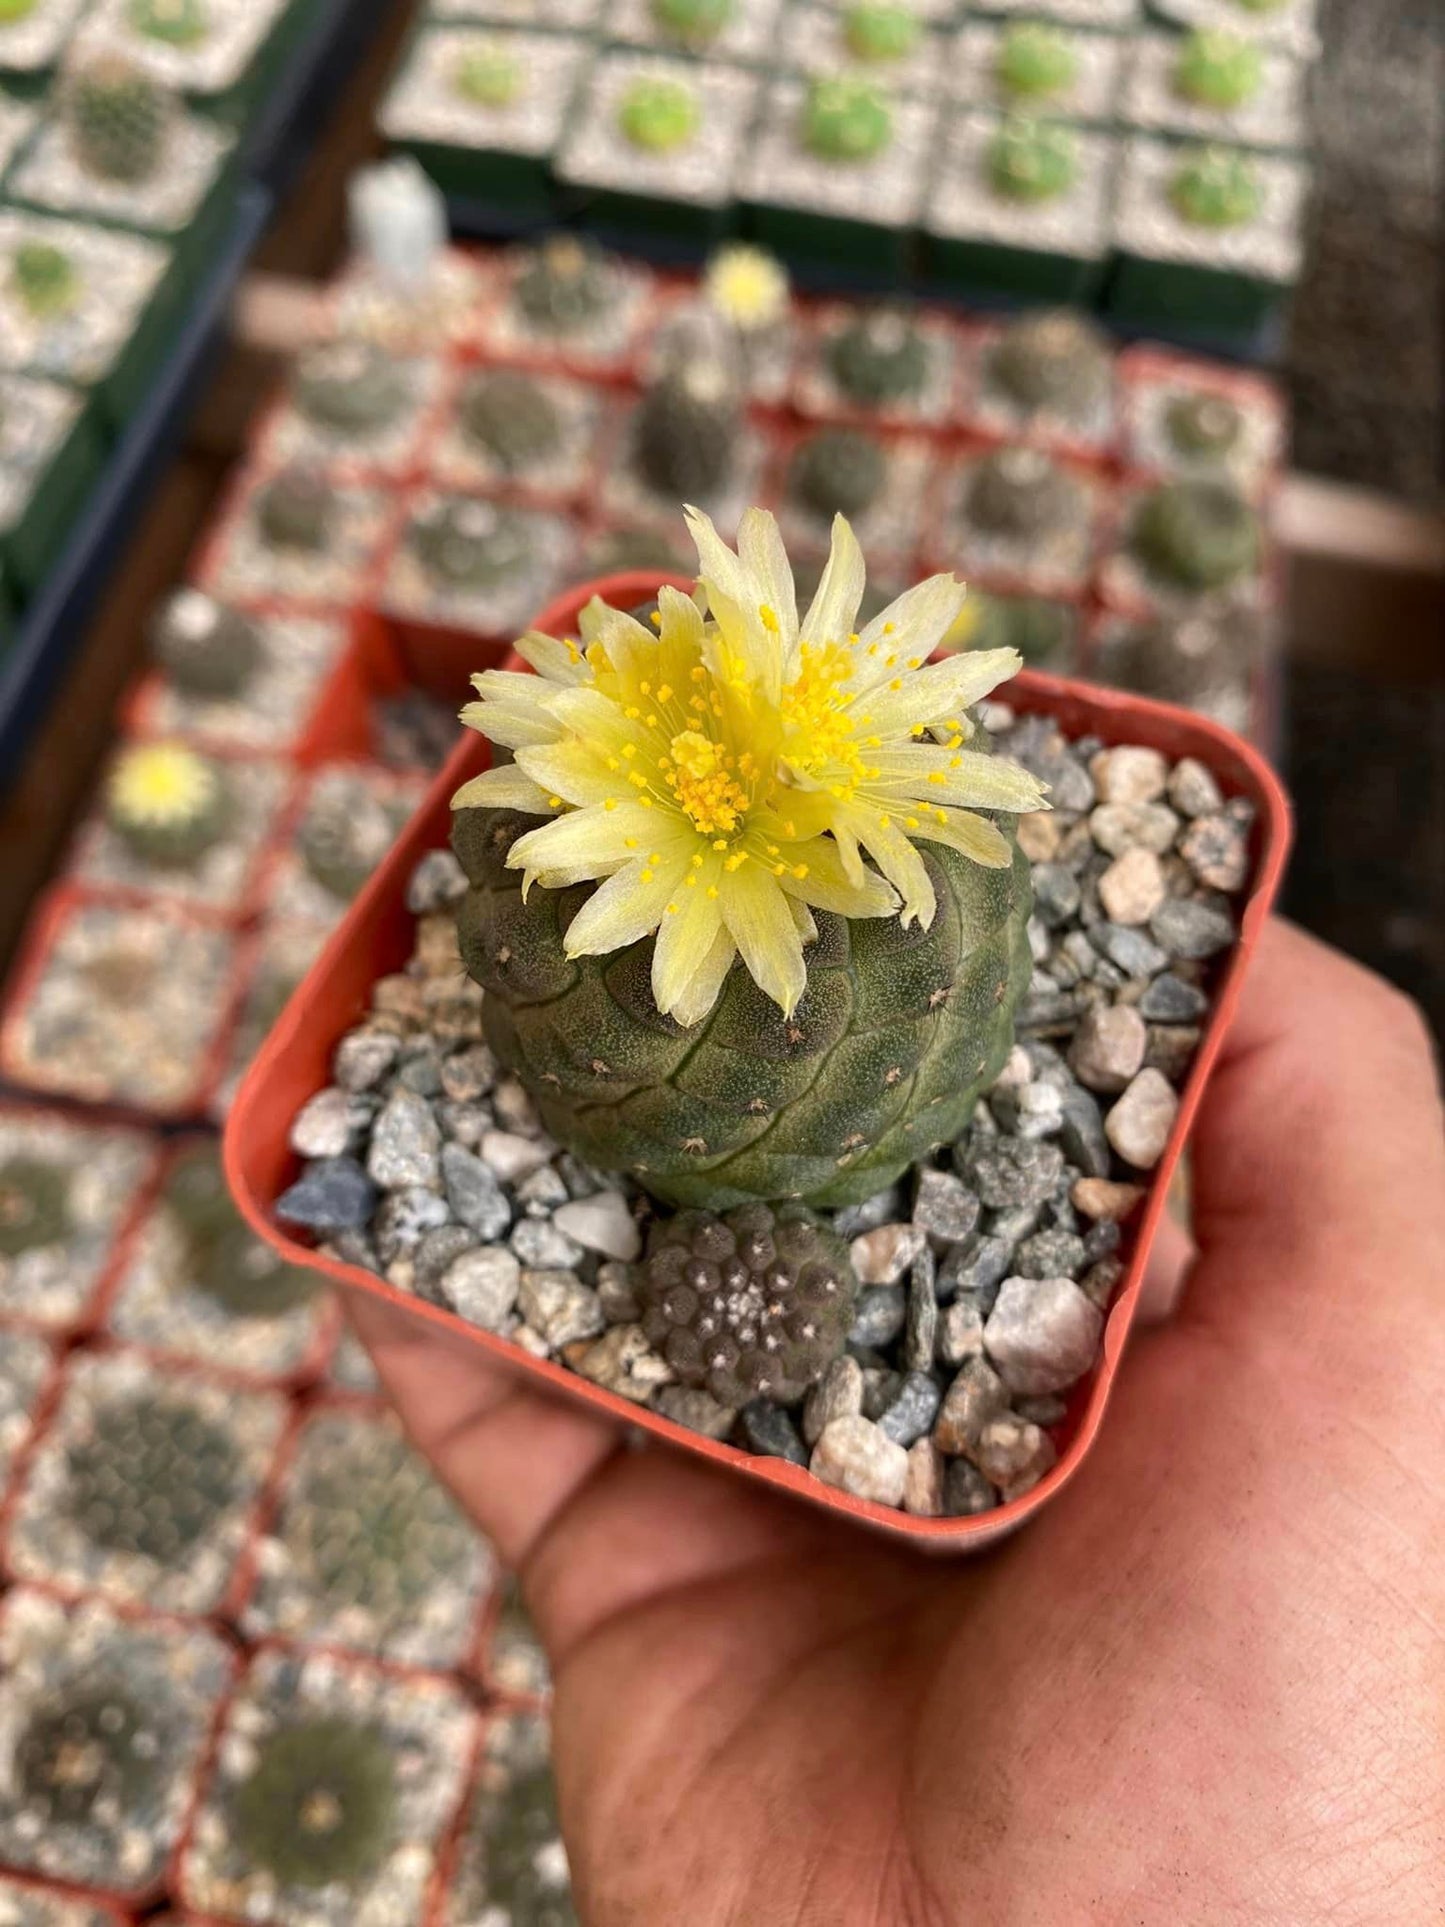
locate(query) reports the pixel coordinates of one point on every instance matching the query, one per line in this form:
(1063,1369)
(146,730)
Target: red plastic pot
(376,939)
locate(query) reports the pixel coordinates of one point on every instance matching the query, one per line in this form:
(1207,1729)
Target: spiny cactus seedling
(118,119)
(342,837)
(1031,160)
(879,359)
(87,1751)
(168,804)
(696,23)
(686,432)
(34,1206)
(839,471)
(686,1020)
(1056,361)
(372,1528)
(659,115)
(488,74)
(319,1807)
(566,286)
(1197,535)
(524,1858)
(512,417)
(1021,494)
(756,1304)
(1216,188)
(1218,70)
(846,121)
(297,510)
(876,31)
(175,23)
(470,545)
(206,648)
(1204,426)
(352,387)
(44,279)
(151,1478)
(1035,61)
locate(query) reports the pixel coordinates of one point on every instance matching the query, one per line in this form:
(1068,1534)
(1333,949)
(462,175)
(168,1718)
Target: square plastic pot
(376,938)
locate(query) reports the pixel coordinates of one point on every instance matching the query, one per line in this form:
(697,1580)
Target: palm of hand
(1206,1686)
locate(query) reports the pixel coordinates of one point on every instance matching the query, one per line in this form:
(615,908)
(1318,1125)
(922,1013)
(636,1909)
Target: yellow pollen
(636,776)
(800,871)
(630,843)
(937,777)
(647,876)
(656,618)
(672,909)
(554,802)
(610,803)
(818,738)
(712,892)
(664,694)
(736,861)
(629,750)
(704,781)
(769,618)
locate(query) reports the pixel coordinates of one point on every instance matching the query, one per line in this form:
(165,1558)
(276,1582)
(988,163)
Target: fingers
(1319,1155)
(514,1457)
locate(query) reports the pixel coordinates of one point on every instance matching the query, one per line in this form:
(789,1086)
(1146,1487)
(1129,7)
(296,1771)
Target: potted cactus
(1187,417)
(725,998)
(1290,25)
(1216,85)
(355,409)
(1048,378)
(734,30)
(1035,66)
(484,109)
(888,40)
(298,534)
(890,364)
(568,301)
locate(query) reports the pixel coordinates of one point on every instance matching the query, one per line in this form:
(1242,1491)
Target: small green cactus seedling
(372,1527)
(879,359)
(659,115)
(512,417)
(566,286)
(696,23)
(87,1751)
(44,279)
(167,803)
(205,648)
(13,11)
(1197,535)
(1021,494)
(319,1806)
(488,74)
(1216,188)
(297,510)
(1030,160)
(1035,62)
(839,471)
(352,388)
(846,121)
(152,1478)
(878,32)
(118,119)
(1218,70)
(176,23)
(470,545)
(1056,362)
(756,1304)
(34,1206)
(1204,426)
(686,433)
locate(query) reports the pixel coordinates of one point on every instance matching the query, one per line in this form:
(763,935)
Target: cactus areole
(746,903)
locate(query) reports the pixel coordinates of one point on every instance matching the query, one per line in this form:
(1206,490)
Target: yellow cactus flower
(747,286)
(729,770)
(161,783)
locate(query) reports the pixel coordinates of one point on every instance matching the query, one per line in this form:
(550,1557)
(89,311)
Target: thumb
(1319,1156)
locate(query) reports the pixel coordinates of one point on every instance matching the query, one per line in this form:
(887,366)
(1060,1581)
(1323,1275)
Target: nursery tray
(50,630)
(377,938)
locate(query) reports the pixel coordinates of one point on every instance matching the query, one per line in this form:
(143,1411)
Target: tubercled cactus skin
(319,1806)
(879,358)
(839,471)
(1198,535)
(118,119)
(846,121)
(511,416)
(151,1479)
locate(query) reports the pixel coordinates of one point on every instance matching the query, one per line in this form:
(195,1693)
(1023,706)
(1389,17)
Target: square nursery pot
(1188,417)
(484,110)
(225,69)
(37,40)
(50,456)
(40,1906)
(1292,25)
(677,189)
(1156,99)
(309,422)
(377,938)
(1084,89)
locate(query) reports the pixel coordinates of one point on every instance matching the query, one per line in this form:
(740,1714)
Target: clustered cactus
(35,1209)
(151,1478)
(351,387)
(1198,536)
(880,358)
(319,1807)
(756,1304)
(206,648)
(512,417)
(167,803)
(118,119)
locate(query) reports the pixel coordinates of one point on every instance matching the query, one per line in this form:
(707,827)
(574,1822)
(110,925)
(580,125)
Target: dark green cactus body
(686,434)
(470,545)
(839,471)
(352,388)
(1208,427)
(1197,535)
(34,1206)
(896,1033)
(523,1855)
(151,1479)
(297,510)
(566,287)
(205,648)
(756,1304)
(879,359)
(118,119)
(1056,361)
(87,1748)
(1021,493)
(320,1804)
(512,417)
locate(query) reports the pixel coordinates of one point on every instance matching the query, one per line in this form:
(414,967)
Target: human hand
(1207,1685)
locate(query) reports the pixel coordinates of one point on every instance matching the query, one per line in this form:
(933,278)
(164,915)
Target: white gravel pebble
(1129,774)
(1138,1126)
(855,1456)
(559,1306)
(1109,1047)
(1013,1454)
(602,1223)
(881,1257)
(1132,888)
(483,1286)
(1042,1334)
(512,1157)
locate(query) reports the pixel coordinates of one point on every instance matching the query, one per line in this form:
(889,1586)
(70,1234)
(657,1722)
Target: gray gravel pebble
(879,1315)
(334,1194)
(960,1331)
(558,1306)
(483,1286)
(944,1207)
(603,1223)
(910,1413)
(768,1429)
(838,1394)
(1013,1454)
(1108,1047)
(1013,1171)
(966,1492)
(1187,928)
(1169,1000)
(1042,1334)
(405,1142)
(475,1196)
(881,1257)
(1192,788)
(921,1322)
(858,1457)
(975,1270)
(697,1410)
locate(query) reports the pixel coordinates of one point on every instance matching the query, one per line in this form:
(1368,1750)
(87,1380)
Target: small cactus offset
(839,471)
(1205,427)
(659,115)
(1198,536)
(1020,493)
(35,1209)
(1030,160)
(119,119)
(151,1479)
(512,417)
(351,388)
(880,359)
(846,121)
(1036,61)
(319,1807)
(1216,188)
(168,804)
(881,31)
(205,648)
(756,1304)
(44,279)
(1218,70)
(687,430)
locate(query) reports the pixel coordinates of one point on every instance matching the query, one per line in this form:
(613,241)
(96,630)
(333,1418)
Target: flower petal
(690,927)
(556,660)
(580,839)
(896,857)
(761,925)
(916,623)
(762,554)
(972,836)
(834,609)
(833,884)
(743,650)
(703,991)
(961,776)
(503,788)
(913,700)
(625,907)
